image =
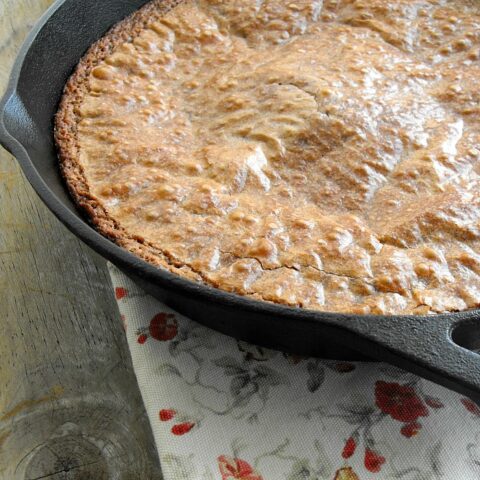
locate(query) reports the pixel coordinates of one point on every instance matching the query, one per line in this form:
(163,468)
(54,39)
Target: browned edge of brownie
(65,132)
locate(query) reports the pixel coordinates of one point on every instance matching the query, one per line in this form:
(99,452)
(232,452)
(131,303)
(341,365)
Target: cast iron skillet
(439,348)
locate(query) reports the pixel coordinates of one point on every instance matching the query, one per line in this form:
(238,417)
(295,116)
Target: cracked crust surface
(315,154)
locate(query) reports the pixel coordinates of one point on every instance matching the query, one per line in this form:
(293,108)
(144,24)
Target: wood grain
(69,402)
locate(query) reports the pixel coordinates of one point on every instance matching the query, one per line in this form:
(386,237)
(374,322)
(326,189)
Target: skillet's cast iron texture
(439,348)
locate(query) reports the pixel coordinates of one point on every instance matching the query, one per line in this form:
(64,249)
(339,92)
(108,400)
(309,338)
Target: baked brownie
(319,154)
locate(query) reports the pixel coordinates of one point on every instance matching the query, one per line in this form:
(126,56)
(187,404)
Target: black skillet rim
(123,257)
(355,324)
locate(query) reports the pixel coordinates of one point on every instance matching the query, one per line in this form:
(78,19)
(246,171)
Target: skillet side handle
(10,107)
(425,347)
(3,130)
(4,136)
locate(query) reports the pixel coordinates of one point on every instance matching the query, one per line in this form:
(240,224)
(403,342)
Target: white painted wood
(69,403)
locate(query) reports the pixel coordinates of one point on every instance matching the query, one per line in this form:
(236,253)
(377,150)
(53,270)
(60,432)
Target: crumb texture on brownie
(320,154)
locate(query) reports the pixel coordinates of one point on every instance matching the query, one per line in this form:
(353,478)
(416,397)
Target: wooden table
(70,407)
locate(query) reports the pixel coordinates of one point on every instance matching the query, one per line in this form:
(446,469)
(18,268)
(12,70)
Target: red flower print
(410,429)
(373,461)
(236,469)
(346,473)
(344,367)
(434,402)
(471,406)
(182,428)
(120,293)
(166,414)
(349,448)
(399,401)
(163,327)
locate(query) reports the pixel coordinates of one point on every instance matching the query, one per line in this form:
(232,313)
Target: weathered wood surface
(69,403)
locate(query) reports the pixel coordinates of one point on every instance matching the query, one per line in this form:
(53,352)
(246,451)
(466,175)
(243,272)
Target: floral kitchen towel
(221,409)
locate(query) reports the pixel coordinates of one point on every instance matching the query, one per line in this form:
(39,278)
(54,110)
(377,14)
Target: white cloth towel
(225,410)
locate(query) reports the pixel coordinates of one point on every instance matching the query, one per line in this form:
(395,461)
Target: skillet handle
(429,347)
(11,107)
(4,135)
